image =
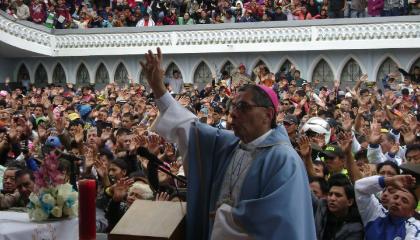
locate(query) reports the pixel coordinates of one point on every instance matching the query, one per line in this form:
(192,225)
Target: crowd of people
(61,14)
(357,145)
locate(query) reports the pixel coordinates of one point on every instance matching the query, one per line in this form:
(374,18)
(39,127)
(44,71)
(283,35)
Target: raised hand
(412,122)
(90,157)
(401,181)
(162,196)
(347,122)
(154,144)
(136,142)
(362,109)
(397,123)
(78,134)
(363,78)
(375,132)
(60,124)
(120,189)
(305,148)
(345,141)
(101,167)
(408,134)
(154,72)
(184,101)
(106,134)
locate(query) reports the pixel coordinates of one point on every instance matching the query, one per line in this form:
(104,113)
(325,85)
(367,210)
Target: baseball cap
(73,116)
(290,118)
(84,110)
(53,142)
(40,120)
(331,151)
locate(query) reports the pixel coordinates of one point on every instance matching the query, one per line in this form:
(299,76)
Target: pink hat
(3,93)
(272,95)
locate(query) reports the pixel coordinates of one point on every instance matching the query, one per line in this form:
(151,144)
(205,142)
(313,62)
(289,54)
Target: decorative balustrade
(271,36)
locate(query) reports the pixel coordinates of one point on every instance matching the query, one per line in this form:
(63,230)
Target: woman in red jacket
(37,10)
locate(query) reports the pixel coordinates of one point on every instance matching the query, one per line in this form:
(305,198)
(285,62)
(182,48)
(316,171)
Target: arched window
(285,67)
(121,75)
(41,77)
(255,69)
(388,66)
(82,76)
(23,74)
(323,72)
(351,71)
(202,74)
(170,69)
(228,66)
(59,76)
(102,76)
(415,64)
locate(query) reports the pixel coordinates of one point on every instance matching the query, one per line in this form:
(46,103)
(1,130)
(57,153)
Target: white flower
(39,215)
(60,200)
(72,197)
(75,209)
(64,189)
(48,199)
(34,199)
(57,211)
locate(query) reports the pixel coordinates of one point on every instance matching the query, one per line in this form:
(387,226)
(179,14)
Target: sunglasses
(287,124)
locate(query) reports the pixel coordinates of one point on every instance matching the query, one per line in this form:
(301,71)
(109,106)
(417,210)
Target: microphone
(68,156)
(153,159)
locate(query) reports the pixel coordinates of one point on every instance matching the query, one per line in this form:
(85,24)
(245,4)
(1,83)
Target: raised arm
(305,151)
(174,121)
(345,142)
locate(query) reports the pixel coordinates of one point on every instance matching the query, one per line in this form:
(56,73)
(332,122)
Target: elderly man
(9,195)
(242,185)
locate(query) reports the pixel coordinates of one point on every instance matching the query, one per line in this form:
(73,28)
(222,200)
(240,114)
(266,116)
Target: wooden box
(151,220)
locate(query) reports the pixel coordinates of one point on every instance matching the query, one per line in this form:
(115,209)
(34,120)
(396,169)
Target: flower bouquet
(52,198)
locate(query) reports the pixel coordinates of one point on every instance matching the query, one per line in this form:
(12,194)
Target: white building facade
(321,49)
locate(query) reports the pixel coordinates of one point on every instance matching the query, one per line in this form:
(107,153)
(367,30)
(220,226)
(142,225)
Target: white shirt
(237,170)
(141,23)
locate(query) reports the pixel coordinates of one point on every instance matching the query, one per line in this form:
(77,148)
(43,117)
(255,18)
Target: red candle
(87,209)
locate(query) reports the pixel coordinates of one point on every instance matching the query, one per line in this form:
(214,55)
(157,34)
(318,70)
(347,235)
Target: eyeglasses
(244,106)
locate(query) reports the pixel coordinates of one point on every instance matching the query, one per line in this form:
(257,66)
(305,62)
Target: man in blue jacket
(396,222)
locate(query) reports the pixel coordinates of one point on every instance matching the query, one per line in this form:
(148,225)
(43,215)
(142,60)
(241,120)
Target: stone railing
(366,33)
